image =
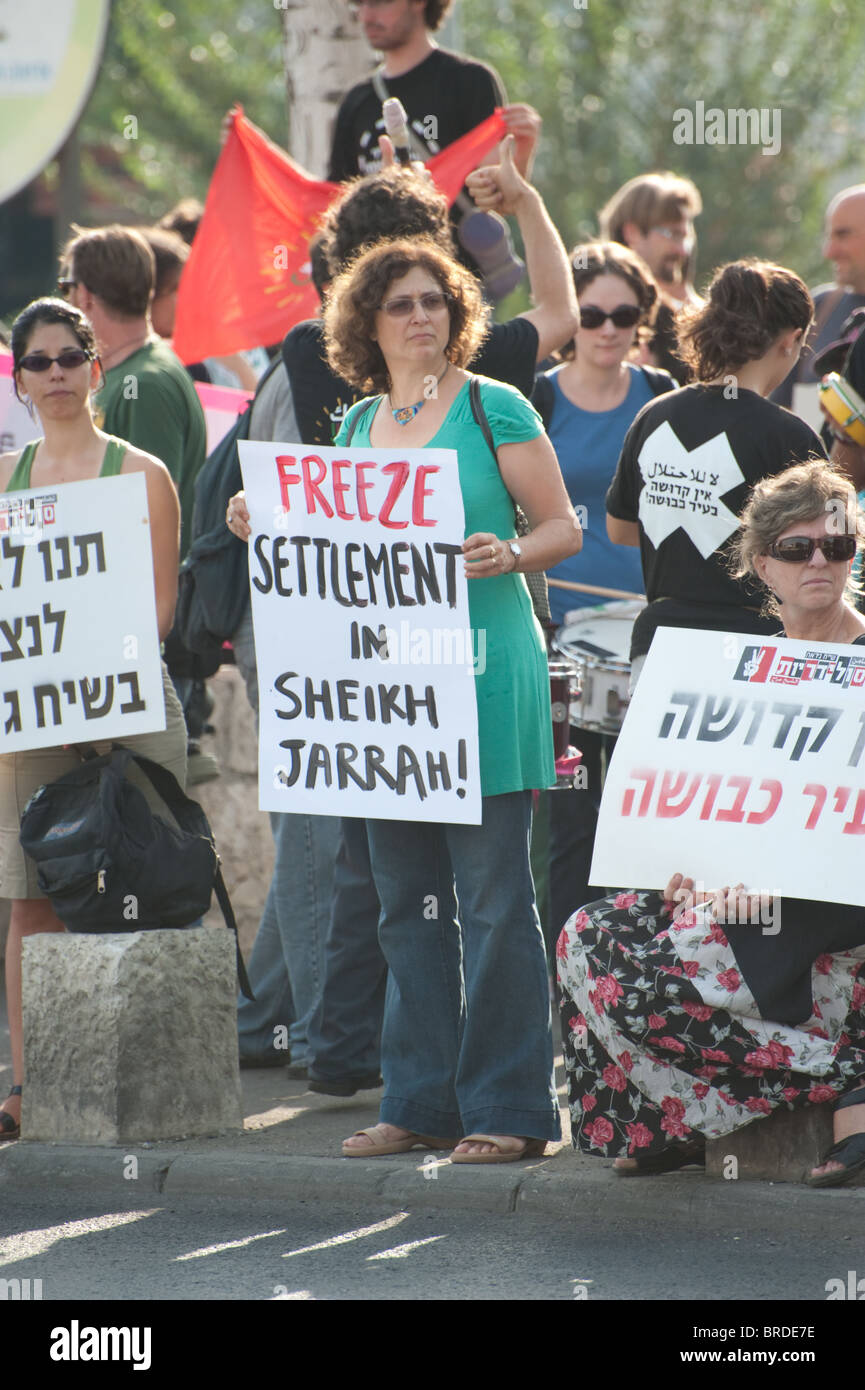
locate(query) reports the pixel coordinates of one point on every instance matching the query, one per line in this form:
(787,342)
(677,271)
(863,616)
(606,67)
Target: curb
(423,1182)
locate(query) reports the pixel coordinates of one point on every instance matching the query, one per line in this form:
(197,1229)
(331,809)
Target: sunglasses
(401,307)
(68,359)
(625,316)
(797,550)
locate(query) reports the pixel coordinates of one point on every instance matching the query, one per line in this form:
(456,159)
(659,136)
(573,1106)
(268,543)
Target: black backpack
(108,863)
(213,586)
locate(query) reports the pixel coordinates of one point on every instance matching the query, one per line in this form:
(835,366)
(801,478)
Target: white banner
(17,426)
(741,759)
(365,653)
(79,648)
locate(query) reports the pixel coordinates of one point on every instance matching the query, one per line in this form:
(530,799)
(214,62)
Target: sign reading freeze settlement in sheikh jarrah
(79,647)
(741,759)
(366,657)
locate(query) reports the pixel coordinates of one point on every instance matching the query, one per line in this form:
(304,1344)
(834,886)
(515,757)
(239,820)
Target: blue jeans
(345,1029)
(286,968)
(467,1044)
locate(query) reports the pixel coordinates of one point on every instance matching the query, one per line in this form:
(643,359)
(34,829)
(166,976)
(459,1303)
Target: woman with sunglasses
(690,458)
(467,1040)
(663,1066)
(55,368)
(588,404)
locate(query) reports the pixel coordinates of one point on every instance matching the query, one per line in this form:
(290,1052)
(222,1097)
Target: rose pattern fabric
(662,1036)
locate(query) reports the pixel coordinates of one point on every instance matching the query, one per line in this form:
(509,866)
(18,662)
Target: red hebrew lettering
(714,780)
(842,796)
(774,788)
(818,792)
(856,824)
(640,774)
(736,812)
(672,785)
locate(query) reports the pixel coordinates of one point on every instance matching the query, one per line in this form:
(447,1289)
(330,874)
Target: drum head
(601,633)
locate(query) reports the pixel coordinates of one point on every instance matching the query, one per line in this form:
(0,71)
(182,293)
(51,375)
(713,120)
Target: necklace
(405,413)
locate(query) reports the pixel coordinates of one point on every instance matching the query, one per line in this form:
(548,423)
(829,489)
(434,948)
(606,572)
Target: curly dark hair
(594,258)
(358,292)
(435,13)
(49,310)
(395,202)
(750,304)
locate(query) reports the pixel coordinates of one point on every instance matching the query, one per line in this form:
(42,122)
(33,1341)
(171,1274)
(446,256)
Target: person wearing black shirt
(690,458)
(444,94)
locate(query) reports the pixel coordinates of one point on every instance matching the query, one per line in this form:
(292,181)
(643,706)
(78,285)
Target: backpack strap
(543,398)
(187,813)
(658,381)
(359,417)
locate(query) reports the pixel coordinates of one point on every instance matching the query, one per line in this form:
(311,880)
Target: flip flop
(10,1128)
(391,1146)
(849,1152)
(532,1148)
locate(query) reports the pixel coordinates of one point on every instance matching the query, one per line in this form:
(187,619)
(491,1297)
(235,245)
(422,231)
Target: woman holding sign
(687,1016)
(55,368)
(467,1045)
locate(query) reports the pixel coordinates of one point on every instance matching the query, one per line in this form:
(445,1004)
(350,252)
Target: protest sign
(742,759)
(17,425)
(79,648)
(362,633)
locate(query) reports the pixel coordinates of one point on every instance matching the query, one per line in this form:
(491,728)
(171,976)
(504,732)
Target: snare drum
(844,405)
(598,641)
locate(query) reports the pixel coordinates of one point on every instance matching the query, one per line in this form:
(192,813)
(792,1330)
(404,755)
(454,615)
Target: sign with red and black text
(742,759)
(365,653)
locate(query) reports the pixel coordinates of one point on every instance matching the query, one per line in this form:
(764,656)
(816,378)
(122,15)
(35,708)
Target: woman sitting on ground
(55,368)
(680,1027)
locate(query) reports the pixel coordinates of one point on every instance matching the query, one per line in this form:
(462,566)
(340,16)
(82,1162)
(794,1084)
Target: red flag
(247,280)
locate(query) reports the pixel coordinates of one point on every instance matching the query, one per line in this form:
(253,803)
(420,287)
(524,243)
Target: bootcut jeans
(467,1041)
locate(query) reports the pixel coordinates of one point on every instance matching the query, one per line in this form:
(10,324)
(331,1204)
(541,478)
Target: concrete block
(130,1037)
(780,1148)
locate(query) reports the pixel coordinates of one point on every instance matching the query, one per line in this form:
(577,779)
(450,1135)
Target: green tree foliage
(150,134)
(608,75)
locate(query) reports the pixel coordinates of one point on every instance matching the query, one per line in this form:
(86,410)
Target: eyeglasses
(625,316)
(355,5)
(675,234)
(64,285)
(68,359)
(797,550)
(404,304)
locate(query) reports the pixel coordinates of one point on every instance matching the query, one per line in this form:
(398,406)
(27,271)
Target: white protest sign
(79,648)
(16,423)
(362,633)
(741,759)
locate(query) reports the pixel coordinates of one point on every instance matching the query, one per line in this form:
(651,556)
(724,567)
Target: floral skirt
(663,1039)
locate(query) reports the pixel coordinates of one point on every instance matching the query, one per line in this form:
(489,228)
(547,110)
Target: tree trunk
(325,53)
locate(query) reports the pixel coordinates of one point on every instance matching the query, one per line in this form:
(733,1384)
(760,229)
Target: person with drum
(690,459)
(683,1019)
(587,404)
(467,1038)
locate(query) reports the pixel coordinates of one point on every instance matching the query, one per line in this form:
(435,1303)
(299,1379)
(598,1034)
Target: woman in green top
(467,1044)
(55,369)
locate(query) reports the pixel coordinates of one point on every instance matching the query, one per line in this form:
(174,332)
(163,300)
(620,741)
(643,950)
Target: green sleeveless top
(111,464)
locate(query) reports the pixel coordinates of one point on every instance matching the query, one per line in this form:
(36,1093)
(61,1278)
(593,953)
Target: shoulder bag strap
(359,417)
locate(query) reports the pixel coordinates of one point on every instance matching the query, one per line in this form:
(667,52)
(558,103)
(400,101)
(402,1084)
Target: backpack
(543,395)
(108,863)
(213,585)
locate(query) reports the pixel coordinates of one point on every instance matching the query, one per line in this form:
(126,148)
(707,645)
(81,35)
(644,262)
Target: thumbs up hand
(498,187)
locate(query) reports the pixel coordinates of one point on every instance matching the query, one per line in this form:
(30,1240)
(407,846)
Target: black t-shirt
(321,399)
(854,370)
(687,465)
(444,97)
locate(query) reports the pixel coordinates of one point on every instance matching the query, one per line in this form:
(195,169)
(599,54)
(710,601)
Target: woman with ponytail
(691,457)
